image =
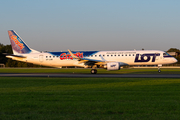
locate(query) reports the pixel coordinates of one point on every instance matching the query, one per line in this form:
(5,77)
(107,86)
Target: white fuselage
(59,59)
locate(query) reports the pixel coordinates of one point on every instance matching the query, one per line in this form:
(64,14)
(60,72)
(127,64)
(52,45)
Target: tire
(93,71)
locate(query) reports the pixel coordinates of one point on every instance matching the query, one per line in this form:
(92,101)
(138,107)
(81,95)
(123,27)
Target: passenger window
(46,56)
(118,55)
(114,55)
(107,55)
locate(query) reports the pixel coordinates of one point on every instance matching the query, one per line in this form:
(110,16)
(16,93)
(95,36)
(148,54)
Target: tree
(4,49)
(173,50)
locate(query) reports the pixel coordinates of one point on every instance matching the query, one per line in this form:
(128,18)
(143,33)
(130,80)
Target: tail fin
(18,45)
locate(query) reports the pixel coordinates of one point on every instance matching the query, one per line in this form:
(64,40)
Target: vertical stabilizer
(18,45)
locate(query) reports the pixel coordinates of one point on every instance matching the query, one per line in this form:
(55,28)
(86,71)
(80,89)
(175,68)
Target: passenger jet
(110,60)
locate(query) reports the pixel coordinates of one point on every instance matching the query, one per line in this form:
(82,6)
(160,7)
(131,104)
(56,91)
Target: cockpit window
(166,54)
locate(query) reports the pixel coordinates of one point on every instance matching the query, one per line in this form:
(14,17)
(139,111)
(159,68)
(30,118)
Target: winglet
(73,56)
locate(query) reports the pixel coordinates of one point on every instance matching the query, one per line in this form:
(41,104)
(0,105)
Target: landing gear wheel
(93,71)
(159,65)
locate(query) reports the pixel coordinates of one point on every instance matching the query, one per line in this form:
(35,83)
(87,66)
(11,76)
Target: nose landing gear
(159,71)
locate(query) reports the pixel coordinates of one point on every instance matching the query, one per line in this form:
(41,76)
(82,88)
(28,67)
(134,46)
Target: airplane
(110,60)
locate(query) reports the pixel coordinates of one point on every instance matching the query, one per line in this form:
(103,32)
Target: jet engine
(113,66)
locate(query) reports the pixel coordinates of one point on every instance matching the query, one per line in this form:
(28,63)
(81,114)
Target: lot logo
(64,56)
(113,65)
(146,57)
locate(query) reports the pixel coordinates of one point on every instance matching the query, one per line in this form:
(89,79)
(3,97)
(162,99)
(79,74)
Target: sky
(58,25)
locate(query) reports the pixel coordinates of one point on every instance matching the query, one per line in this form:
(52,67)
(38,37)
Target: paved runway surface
(92,75)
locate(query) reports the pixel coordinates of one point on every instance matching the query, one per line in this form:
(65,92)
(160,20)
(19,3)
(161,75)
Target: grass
(100,71)
(89,98)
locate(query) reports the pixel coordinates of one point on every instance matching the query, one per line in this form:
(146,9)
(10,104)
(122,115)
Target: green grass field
(100,71)
(89,98)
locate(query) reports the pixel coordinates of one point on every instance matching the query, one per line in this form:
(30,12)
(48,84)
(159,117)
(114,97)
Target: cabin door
(157,56)
(41,58)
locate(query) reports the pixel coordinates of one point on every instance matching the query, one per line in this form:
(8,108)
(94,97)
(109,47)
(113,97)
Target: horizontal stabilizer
(12,55)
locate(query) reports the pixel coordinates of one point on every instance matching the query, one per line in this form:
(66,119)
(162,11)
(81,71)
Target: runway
(91,75)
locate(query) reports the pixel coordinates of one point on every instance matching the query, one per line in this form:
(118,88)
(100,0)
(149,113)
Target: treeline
(12,63)
(178,56)
(9,62)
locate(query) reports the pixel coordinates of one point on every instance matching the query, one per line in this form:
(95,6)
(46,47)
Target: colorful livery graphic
(17,44)
(110,60)
(65,56)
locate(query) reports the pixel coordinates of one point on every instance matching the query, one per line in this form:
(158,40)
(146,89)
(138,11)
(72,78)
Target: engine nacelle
(113,66)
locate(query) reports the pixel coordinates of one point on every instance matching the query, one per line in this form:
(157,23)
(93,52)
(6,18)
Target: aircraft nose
(175,60)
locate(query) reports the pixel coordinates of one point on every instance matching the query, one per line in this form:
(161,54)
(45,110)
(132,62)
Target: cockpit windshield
(166,54)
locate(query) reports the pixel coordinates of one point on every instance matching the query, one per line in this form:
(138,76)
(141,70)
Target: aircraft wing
(90,61)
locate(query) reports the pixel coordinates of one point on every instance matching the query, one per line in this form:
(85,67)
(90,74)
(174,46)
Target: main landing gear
(93,71)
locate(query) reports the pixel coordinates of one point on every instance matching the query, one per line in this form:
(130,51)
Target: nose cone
(175,60)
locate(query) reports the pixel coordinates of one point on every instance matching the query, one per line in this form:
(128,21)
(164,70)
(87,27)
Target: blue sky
(55,25)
